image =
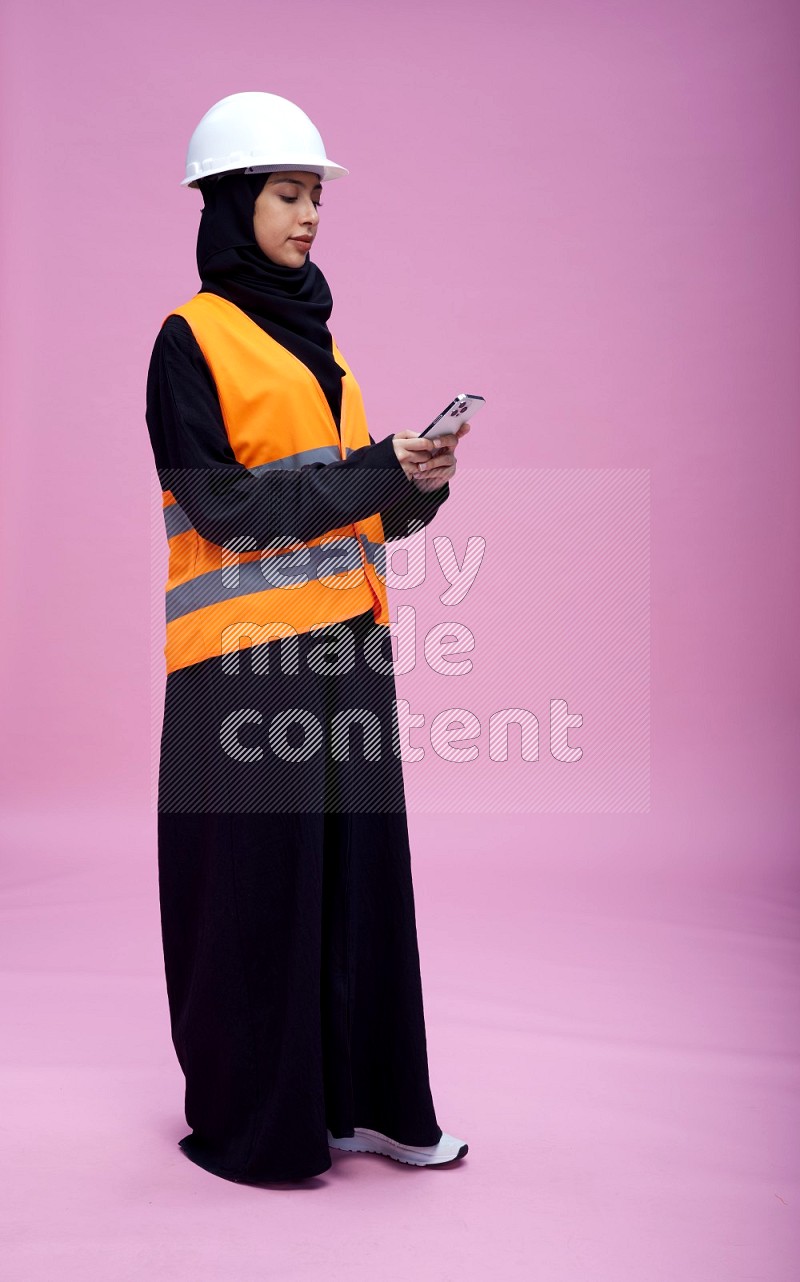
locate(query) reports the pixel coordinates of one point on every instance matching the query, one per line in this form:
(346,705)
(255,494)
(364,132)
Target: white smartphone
(460,409)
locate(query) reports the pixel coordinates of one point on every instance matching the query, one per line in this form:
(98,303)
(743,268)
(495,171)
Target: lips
(301,240)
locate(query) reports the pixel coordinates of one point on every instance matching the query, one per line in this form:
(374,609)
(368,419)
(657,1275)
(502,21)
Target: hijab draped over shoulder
(291,304)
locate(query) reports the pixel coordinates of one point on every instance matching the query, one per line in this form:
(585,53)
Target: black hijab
(291,304)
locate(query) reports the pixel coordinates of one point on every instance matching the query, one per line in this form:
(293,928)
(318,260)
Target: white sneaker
(365,1141)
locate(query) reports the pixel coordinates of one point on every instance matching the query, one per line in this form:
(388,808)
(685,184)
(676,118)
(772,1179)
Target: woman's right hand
(412,449)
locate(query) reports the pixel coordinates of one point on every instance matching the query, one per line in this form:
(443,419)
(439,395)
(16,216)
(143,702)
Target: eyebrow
(296,182)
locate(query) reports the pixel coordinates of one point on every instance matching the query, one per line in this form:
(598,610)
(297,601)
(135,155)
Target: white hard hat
(257,132)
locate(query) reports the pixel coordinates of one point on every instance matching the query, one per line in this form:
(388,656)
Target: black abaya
(290,943)
(286,895)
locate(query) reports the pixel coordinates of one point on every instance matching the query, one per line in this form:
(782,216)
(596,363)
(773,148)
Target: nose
(311,215)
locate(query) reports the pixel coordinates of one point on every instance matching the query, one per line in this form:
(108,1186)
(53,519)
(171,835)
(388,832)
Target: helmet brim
(327,170)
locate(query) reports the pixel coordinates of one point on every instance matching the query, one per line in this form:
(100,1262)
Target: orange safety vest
(276,415)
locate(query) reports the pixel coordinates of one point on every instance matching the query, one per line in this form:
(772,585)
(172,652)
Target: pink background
(588,214)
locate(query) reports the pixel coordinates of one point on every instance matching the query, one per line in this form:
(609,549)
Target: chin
(288,258)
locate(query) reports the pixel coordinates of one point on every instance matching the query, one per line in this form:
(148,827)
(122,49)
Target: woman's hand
(412,450)
(435,470)
(429,463)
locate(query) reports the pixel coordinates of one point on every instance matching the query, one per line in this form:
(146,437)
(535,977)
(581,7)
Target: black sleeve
(222,498)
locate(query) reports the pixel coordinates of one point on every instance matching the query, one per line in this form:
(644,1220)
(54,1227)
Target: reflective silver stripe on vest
(322,454)
(336,557)
(177,522)
(375,554)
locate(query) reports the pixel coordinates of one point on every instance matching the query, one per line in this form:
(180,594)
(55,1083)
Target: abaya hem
(192,1149)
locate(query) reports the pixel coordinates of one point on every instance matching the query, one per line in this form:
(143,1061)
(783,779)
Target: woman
(285,888)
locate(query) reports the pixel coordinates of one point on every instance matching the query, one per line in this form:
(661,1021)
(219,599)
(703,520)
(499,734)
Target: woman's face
(286,215)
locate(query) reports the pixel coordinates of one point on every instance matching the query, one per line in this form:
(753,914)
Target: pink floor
(612,1021)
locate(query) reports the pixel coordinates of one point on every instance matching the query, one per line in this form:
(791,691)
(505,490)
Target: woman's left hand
(437,470)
